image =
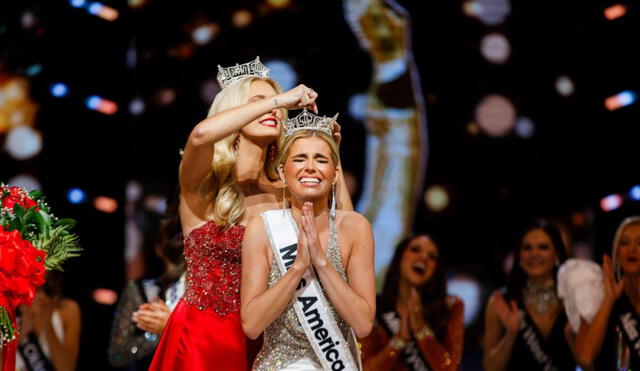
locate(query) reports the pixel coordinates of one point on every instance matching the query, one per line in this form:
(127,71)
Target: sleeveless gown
(204,330)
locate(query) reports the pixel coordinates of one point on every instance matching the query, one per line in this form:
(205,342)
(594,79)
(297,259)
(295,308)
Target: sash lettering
(534,344)
(411,355)
(628,320)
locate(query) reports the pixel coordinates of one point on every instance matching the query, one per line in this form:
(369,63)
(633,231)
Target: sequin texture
(285,342)
(213,265)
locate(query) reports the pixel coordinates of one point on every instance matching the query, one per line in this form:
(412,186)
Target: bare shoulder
(350,220)
(68,308)
(255,227)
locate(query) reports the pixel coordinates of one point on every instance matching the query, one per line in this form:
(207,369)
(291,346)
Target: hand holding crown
(299,97)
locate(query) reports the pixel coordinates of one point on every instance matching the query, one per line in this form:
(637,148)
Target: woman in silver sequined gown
(339,248)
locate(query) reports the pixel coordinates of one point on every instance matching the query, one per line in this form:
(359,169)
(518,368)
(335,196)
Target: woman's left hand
(318,257)
(337,136)
(416,316)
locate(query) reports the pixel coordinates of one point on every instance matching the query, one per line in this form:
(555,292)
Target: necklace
(540,297)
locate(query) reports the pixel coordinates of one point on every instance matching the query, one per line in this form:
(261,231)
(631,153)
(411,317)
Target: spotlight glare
(634,193)
(59,90)
(76,196)
(611,202)
(469,291)
(620,100)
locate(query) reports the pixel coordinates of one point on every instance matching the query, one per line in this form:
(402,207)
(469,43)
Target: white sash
(312,307)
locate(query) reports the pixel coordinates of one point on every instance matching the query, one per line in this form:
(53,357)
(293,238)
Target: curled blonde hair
(616,241)
(219,189)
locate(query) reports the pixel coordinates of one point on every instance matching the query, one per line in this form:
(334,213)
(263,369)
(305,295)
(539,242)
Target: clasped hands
(310,251)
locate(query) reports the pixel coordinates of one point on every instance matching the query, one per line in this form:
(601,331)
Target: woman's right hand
(612,287)
(508,313)
(303,258)
(297,98)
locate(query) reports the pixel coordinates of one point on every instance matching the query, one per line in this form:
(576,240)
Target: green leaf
(18,210)
(41,222)
(34,195)
(67,223)
(15,225)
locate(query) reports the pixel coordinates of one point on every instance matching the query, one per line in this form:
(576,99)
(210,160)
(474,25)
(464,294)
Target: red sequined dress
(204,330)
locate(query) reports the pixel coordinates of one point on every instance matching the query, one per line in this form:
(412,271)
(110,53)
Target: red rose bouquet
(32,240)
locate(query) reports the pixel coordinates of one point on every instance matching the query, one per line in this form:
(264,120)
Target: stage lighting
(358,106)
(495,115)
(105,12)
(105,296)
(203,34)
(524,127)
(620,100)
(78,3)
(278,4)
(134,191)
(59,90)
(101,105)
(23,143)
(615,12)
(241,18)
(25,181)
(634,193)
(136,106)
(495,48)
(76,196)
(283,73)
(105,204)
(611,202)
(436,198)
(564,86)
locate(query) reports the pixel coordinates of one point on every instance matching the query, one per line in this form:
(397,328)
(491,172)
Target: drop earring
(332,212)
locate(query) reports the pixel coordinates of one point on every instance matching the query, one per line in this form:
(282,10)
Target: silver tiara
(229,75)
(308,121)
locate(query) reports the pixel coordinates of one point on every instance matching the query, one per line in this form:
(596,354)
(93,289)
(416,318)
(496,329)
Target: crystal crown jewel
(229,75)
(308,121)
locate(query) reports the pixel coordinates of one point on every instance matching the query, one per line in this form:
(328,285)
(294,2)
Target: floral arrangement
(32,241)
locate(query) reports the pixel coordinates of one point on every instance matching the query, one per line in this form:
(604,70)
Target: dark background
(580,152)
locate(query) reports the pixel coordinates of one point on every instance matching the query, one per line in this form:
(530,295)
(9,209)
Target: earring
(272,153)
(332,212)
(284,203)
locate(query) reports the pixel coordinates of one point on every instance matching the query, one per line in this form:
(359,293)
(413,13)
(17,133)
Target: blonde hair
(306,133)
(616,241)
(219,190)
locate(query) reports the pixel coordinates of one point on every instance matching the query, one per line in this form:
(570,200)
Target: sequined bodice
(285,341)
(213,265)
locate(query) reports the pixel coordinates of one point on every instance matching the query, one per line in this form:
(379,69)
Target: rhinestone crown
(229,75)
(307,120)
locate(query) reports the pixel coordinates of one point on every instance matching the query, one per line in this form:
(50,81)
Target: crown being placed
(308,121)
(229,75)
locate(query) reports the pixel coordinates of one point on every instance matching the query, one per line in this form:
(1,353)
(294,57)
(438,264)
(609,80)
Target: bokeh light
(25,181)
(525,127)
(436,198)
(495,48)
(76,196)
(496,115)
(358,106)
(615,11)
(105,204)
(59,90)
(105,296)
(489,12)
(611,202)
(634,193)
(101,105)
(564,86)
(203,34)
(283,73)
(620,100)
(241,18)
(23,142)
(470,291)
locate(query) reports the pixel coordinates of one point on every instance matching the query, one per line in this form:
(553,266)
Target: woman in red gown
(226,178)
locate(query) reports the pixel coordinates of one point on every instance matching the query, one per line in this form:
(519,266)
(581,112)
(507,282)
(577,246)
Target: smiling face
(265,128)
(629,249)
(419,261)
(309,169)
(537,254)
